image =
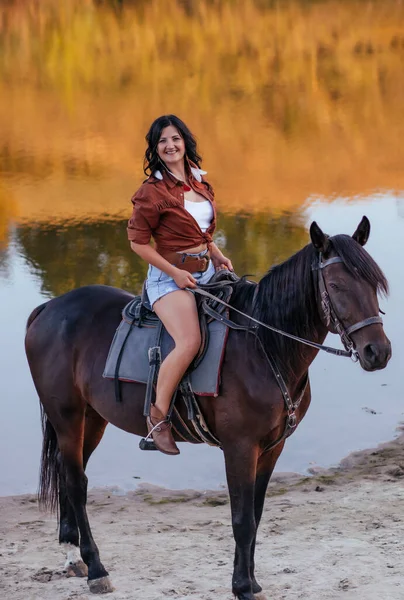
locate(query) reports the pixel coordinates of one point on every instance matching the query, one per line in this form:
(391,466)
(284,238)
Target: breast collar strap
(331,317)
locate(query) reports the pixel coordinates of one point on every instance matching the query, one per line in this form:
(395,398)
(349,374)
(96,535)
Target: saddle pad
(134,366)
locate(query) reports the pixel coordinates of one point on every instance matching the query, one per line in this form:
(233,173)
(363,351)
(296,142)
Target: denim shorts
(159,284)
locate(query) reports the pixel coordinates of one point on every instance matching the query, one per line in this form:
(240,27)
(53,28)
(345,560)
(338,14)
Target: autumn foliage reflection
(98,253)
(288,98)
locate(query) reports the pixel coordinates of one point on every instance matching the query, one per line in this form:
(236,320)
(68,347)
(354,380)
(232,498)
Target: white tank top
(201,211)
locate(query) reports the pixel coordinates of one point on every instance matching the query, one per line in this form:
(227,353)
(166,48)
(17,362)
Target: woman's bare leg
(179,315)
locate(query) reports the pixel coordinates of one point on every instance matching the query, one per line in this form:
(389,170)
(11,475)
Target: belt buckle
(207,261)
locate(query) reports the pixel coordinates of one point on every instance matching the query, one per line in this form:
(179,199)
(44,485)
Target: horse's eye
(334,286)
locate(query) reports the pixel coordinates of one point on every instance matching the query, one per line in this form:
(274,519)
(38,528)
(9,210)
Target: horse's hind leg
(71,444)
(68,528)
(69,531)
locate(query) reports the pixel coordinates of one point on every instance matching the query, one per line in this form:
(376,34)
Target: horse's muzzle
(375,356)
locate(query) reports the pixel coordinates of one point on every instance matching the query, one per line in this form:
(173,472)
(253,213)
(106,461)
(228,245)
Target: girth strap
(180,426)
(195,414)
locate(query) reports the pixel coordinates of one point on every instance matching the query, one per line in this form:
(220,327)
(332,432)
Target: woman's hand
(184,279)
(221,262)
(218,259)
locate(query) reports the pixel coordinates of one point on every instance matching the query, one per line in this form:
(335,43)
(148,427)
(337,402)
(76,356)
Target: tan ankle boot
(162,435)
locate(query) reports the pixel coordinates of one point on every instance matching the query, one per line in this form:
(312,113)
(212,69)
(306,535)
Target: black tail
(48,493)
(34,314)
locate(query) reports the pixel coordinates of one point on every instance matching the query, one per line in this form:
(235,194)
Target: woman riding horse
(331,285)
(175,206)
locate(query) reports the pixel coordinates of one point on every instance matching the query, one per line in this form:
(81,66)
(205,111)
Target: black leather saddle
(139,313)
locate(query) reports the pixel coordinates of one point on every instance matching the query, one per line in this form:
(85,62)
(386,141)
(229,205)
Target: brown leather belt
(186,262)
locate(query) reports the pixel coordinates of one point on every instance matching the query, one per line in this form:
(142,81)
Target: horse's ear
(318,238)
(362,232)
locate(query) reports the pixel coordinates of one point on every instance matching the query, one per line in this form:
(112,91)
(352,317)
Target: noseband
(330,315)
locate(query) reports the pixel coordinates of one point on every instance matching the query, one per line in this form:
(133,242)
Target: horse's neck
(276,308)
(299,366)
(309,354)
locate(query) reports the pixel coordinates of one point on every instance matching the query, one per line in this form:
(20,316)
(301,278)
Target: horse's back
(90,298)
(59,323)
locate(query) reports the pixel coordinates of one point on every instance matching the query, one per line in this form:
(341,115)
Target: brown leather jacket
(158,212)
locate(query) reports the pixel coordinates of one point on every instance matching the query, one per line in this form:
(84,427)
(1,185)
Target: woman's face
(171,146)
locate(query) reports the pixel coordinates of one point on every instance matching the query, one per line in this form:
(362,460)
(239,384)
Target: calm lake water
(291,130)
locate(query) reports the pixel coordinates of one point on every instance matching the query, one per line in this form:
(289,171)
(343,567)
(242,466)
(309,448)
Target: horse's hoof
(74,565)
(77,569)
(256,587)
(260,596)
(102,585)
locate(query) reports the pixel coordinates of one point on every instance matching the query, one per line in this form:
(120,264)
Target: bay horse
(67,342)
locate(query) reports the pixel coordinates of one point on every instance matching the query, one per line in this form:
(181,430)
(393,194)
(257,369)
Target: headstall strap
(329,313)
(326,306)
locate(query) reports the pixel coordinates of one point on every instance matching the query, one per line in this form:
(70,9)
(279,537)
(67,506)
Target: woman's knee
(189,344)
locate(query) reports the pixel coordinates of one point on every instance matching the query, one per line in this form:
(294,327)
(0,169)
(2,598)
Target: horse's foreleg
(241,465)
(266,465)
(68,528)
(261,484)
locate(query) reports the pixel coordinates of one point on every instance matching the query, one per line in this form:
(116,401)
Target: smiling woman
(175,206)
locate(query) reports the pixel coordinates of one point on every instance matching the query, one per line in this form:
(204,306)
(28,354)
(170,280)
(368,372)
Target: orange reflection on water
(288,100)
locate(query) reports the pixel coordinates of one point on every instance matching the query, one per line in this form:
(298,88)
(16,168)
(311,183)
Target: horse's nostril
(377,355)
(371,352)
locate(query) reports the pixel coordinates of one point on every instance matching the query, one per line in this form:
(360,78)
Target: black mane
(286,297)
(359,262)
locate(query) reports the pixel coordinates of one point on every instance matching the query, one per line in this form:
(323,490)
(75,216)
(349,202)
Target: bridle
(330,315)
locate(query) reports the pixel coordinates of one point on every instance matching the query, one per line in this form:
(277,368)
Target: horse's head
(348,282)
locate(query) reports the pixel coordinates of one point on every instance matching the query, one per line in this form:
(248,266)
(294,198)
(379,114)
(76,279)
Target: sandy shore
(337,534)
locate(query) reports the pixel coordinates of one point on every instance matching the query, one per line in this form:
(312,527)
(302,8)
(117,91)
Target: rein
(328,309)
(336,351)
(330,318)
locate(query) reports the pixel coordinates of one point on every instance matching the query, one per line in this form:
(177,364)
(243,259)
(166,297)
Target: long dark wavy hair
(152,162)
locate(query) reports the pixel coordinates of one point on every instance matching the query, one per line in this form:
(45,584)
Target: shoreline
(336,533)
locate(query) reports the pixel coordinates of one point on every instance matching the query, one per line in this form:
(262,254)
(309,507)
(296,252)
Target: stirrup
(147,443)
